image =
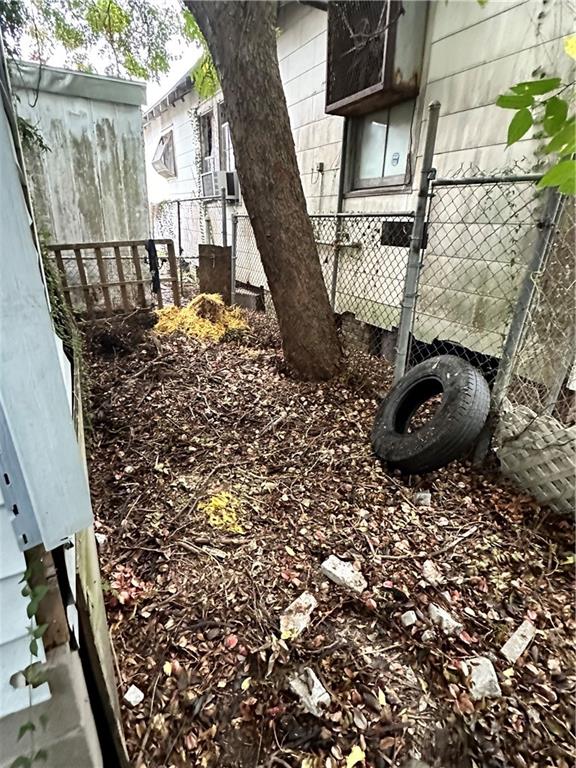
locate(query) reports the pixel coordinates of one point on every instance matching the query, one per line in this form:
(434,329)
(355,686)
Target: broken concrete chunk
(515,646)
(422,498)
(296,617)
(408,619)
(344,574)
(483,680)
(134,696)
(312,694)
(432,574)
(447,623)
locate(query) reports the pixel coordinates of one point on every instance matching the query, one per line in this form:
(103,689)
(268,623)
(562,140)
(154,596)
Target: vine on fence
(32,674)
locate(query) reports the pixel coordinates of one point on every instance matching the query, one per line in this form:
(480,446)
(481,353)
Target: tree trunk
(241,37)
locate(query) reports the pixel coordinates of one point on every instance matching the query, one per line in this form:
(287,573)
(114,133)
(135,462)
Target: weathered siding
(472,53)
(91,185)
(317,136)
(179,119)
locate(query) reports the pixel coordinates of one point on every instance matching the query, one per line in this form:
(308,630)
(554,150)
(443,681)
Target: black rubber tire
(453,429)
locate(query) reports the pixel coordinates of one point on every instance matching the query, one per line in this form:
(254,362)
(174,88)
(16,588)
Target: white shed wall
(92,184)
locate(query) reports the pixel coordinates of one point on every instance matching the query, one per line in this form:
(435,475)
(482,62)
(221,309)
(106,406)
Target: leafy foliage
(547,104)
(130,37)
(30,136)
(13,20)
(204,74)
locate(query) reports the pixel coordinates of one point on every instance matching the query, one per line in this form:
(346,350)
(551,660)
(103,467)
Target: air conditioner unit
(229,181)
(374,56)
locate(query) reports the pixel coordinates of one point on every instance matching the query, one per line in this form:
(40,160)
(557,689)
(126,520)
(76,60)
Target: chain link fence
(481,232)
(363,259)
(478,295)
(483,235)
(536,432)
(189,222)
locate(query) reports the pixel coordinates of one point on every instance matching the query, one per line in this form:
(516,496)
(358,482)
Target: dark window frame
(206,137)
(355,187)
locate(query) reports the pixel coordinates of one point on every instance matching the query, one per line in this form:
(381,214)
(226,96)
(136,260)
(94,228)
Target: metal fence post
(233,259)
(414,262)
(180,249)
(525,298)
(224,223)
(334,282)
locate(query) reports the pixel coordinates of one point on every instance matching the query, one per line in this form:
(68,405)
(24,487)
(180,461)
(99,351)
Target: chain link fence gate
(480,236)
(188,222)
(535,436)
(363,259)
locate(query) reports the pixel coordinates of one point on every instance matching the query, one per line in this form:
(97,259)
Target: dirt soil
(194,608)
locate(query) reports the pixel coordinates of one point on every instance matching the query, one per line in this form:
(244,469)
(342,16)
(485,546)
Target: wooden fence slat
(173,272)
(138,270)
(121,279)
(104,281)
(63,277)
(84,282)
(104,244)
(109,284)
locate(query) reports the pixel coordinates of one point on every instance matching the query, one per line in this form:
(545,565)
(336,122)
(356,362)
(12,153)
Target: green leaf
(35,674)
(555,115)
(39,630)
(43,720)
(561,175)
(42,754)
(537,87)
(564,139)
(24,729)
(39,592)
(514,101)
(34,647)
(519,125)
(21,762)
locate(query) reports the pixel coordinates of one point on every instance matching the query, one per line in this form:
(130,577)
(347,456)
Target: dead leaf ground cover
(194,607)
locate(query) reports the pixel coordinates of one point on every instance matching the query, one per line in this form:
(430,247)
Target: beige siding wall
(472,53)
(317,136)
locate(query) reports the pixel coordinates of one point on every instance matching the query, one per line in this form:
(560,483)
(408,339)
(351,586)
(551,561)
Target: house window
(227,162)
(164,160)
(206,143)
(380,151)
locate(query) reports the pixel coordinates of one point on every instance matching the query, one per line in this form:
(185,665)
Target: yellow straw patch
(221,511)
(206,318)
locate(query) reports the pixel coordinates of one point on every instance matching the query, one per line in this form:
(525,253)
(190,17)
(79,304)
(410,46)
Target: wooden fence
(104,278)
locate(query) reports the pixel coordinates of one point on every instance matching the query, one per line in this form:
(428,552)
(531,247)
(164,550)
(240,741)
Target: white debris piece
(483,680)
(101,538)
(447,623)
(134,696)
(344,574)
(408,619)
(422,498)
(431,573)
(427,635)
(312,694)
(515,646)
(296,617)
